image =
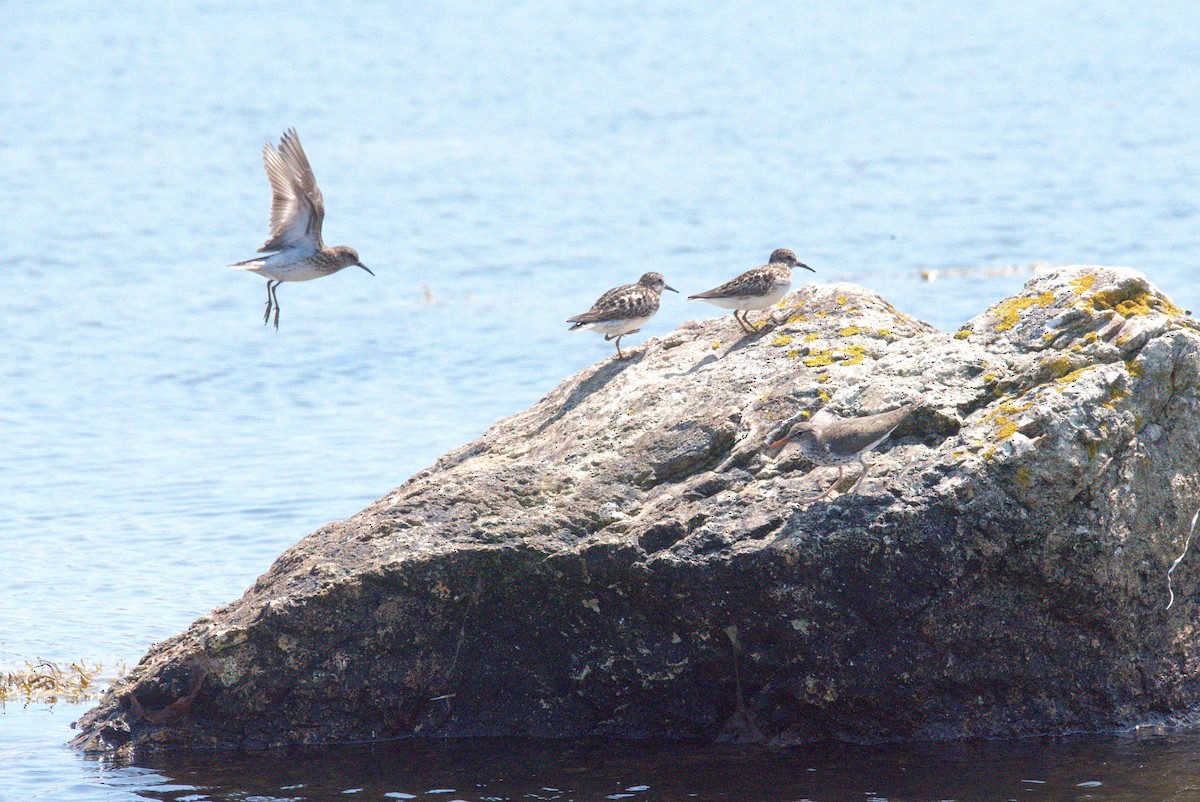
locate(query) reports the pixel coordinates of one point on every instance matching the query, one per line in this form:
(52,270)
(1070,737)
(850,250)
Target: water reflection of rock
(577,569)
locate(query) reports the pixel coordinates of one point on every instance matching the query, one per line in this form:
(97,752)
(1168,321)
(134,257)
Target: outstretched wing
(297,208)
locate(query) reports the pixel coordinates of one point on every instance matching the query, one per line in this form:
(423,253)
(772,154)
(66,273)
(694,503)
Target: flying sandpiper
(296,252)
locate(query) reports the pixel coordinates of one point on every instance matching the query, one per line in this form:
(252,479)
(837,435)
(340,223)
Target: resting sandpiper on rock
(622,310)
(758,288)
(829,441)
(297,210)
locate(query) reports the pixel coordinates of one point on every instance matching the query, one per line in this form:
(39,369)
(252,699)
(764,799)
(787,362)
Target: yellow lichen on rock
(1009,408)
(1073,375)
(1115,393)
(1083,283)
(1059,367)
(1131,305)
(963,334)
(811,337)
(850,355)
(850,331)
(1009,311)
(781,341)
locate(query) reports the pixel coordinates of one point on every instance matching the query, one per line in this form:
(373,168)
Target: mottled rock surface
(622,559)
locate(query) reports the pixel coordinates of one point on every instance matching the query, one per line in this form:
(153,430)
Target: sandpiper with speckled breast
(757,288)
(830,441)
(623,310)
(296,252)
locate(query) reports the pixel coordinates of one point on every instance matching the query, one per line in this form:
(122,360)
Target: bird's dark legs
(267,314)
(744,321)
(618,337)
(272,302)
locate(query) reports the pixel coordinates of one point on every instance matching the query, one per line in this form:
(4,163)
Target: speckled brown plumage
(622,310)
(757,288)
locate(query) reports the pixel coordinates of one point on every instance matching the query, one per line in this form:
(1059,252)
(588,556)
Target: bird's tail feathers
(581,320)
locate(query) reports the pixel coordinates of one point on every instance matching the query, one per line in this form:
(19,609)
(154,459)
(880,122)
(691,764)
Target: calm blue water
(498,165)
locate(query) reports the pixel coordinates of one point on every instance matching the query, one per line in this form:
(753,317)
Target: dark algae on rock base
(623,559)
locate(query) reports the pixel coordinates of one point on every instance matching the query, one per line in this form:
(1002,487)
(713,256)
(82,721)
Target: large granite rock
(623,559)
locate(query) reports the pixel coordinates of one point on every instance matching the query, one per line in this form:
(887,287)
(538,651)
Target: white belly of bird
(290,265)
(751,302)
(615,327)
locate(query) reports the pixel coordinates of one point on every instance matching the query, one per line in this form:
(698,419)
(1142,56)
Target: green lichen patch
(1131,304)
(1059,367)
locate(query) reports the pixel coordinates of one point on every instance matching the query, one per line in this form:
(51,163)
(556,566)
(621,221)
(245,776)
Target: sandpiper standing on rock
(622,310)
(757,288)
(830,441)
(297,210)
